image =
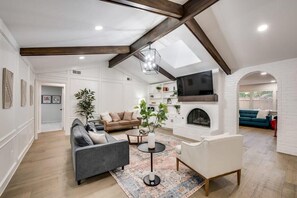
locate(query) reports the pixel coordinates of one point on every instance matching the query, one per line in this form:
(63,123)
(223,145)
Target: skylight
(179,55)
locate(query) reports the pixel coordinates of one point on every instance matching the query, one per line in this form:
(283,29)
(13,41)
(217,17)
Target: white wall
(285,73)
(112,90)
(262,87)
(17,123)
(51,113)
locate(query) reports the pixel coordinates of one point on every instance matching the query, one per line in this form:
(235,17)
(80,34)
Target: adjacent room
(140,98)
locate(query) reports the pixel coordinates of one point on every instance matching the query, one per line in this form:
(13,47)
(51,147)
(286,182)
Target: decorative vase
(151,140)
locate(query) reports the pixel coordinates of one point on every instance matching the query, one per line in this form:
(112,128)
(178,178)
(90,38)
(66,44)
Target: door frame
(39,85)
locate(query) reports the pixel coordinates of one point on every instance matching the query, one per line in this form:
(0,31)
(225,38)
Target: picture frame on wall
(7,89)
(23,93)
(56,99)
(46,99)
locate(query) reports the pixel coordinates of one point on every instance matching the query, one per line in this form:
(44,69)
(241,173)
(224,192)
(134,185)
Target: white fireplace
(192,130)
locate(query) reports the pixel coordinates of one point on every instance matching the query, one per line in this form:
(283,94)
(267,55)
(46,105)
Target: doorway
(51,108)
(257,101)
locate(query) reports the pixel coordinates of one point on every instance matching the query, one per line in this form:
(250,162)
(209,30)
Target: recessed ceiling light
(81,58)
(262,28)
(273,81)
(263,73)
(98,27)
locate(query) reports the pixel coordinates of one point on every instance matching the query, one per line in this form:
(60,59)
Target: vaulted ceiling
(231,26)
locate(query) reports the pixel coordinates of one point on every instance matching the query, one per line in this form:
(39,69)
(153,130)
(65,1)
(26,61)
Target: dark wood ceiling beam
(163,7)
(161,70)
(191,9)
(197,31)
(57,51)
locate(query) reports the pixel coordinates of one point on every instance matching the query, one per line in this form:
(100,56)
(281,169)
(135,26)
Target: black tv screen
(195,84)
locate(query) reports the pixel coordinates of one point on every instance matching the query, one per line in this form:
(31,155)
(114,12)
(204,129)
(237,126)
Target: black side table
(158,148)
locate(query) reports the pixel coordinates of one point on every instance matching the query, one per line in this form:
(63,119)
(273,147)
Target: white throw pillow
(106,117)
(98,138)
(262,114)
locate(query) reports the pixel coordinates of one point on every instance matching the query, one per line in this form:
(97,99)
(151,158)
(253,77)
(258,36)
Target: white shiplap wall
(285,73)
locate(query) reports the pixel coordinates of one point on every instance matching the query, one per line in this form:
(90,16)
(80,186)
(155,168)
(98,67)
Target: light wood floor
(46,171)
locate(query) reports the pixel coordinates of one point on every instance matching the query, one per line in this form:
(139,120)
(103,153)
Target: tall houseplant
(147,115)
(85,105)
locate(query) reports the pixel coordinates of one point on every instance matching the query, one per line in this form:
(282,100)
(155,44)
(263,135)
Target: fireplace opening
(198,117)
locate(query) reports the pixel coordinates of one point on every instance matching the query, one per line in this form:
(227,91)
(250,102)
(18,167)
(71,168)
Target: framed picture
(46,99)
(56,99)
(23,93)
(7,88)
(31,95)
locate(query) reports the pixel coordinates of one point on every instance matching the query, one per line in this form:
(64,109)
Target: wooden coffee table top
(134,132)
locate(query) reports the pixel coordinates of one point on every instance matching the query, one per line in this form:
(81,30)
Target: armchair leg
(238,176)
(177,164)
(123,167)
(78,182)
(206,187)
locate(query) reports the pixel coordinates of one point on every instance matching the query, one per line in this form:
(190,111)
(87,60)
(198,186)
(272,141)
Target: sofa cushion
(259,120)
(121,115)
(128,116)
(106,117)
(98,138)
(134,122)
(115,117)
(81,137)
(248,115)
(90,127)
(135,114)
(246,118)
(124,122)
(112,124)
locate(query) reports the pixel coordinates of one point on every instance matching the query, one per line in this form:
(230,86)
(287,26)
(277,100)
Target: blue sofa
(249,118)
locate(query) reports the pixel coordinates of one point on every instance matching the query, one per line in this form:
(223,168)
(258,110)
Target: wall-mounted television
(195,84)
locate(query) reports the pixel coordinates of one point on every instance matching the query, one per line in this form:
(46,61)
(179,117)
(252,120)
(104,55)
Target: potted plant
(85,105)
(147,115)
(159,88)
(177,107)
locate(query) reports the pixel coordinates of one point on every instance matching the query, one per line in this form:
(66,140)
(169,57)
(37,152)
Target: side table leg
(128,139)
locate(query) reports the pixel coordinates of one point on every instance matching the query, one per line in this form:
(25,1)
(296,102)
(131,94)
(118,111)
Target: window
(256,100)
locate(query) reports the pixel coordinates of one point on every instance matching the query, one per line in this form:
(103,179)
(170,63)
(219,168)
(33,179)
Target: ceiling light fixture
(151,60)
(98,27)
(81,58)
(273,81)
(262,28)
(263,73)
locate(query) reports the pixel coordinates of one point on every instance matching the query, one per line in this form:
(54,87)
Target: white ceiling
(232,27)
(230,24)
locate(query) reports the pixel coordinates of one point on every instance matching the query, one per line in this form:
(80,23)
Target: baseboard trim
(12,170)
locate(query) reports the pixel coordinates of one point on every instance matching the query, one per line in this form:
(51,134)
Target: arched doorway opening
(257,103)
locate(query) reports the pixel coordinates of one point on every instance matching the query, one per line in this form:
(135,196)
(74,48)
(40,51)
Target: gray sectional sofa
(91,159)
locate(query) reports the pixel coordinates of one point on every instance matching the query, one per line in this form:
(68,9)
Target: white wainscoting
(13,148)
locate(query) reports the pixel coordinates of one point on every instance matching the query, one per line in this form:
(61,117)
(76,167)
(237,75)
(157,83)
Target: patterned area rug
(182,183)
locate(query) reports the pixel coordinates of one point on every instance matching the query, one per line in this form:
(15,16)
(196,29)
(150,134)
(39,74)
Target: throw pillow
(262,114)
(128,116)
(81,136)
(135,114)
(115,117)
(121,115)
(106,117)
(91,127)
(98,138)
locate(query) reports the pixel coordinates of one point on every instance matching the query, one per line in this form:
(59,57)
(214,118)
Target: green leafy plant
(159,88)
(177,107)
(147,114)
(85,105)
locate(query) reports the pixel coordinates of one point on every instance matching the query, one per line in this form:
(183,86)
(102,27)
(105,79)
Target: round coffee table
(134,133)
(158,148)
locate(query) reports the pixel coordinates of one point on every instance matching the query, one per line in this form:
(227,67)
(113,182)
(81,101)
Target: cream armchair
(213,157)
